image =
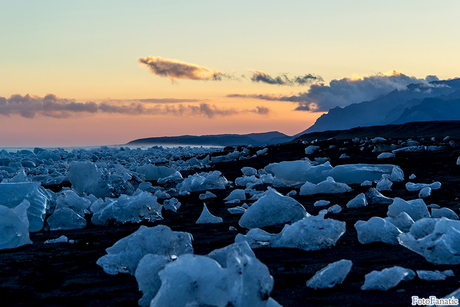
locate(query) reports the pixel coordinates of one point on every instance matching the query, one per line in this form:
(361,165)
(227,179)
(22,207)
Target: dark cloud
(346,91)
(52,106)
(284,79)
(175,69)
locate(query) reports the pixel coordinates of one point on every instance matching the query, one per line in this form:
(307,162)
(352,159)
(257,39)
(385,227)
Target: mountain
(273,137)
(417,102)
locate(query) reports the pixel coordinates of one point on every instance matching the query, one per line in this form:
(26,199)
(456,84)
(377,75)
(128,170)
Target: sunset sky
(80,73)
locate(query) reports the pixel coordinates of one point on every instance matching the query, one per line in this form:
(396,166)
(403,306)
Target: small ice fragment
(207,218)
(331,275)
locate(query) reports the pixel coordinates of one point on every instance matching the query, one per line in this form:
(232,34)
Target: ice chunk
(69,199)
(331,275)
(207,195)
(327,186)
(147,277)
(271,209)
(153,172)
(357,202)
(386,279)
(86,177)
(12,194)
(296,173)
(412,177)
(311,149)
(357,173)
(410,186)
(444,212)
(377,229)
(207,218)
(344,156)
(384,185)
(125,254)
(236,210)
(425,192)
(375,197)
(458,161)
(403,221)
(171,204)
(203,181)
(423,227)
(431,275)
(366,183)
(442,246)
(143,206)
(249,171)
(386,155)
(262,152)
(65,219)
(14,226)
(416,208)
(321,203)
(334,209)
(61,239)
(236,194)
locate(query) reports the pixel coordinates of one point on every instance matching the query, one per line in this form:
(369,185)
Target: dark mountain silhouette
(398,106)
(273,137)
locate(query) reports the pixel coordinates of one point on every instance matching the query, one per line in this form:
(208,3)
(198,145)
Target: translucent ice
(86,177)
(65,219)
(203,181)
(207,218)
(13,194)
(386,279)
(143,206)
(384,185)
(425,192)
(377,229)
(14,226)
(416,208)
(271,209)
(147,277)
(207,195)
(236,194)
(442,246)
(432,275)
(444,212)
(418,186)
(357,202)
(311,149)
(327,186)
(403,221)
(153,172)
(331,275)
(296,173)
(125,254)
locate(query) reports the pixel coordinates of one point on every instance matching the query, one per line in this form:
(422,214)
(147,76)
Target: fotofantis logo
(433,300)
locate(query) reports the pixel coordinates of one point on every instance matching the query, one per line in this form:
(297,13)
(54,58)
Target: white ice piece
(416,208)
(13,194)
(65,219)
(387,278)
(61,239)
(357,202)
(410,186)
(147,277)
(236,194)
(377,229)
(384,185)
(442,246)
(433,275)
(273,208)
(334,209)
(207,218)
(444,212)
(142,206)
(311,149)
(86,177)
(296,173)
(321,203)
(207,195)
(310,233)
(249,171)
(172,204)
(154,172)
(331,275)
(327,186)
(386,155)
(125,254)
(403,221)
(425,192)
(14,226)
(203,181)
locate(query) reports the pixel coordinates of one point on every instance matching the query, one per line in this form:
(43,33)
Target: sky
(82,73)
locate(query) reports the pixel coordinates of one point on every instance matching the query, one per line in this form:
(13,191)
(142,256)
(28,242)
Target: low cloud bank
(52,106)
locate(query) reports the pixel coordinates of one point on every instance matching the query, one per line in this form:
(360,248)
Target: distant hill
(437,129)
(434,101)
(266,138)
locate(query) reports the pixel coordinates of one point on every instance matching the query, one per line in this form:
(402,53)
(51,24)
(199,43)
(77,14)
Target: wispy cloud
(52,106)
(175,69)
(345,91)
(284,79)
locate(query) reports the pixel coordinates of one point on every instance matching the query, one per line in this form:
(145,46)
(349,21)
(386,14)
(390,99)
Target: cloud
(175,69)
(284,79)
(52,106)
(345,91)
